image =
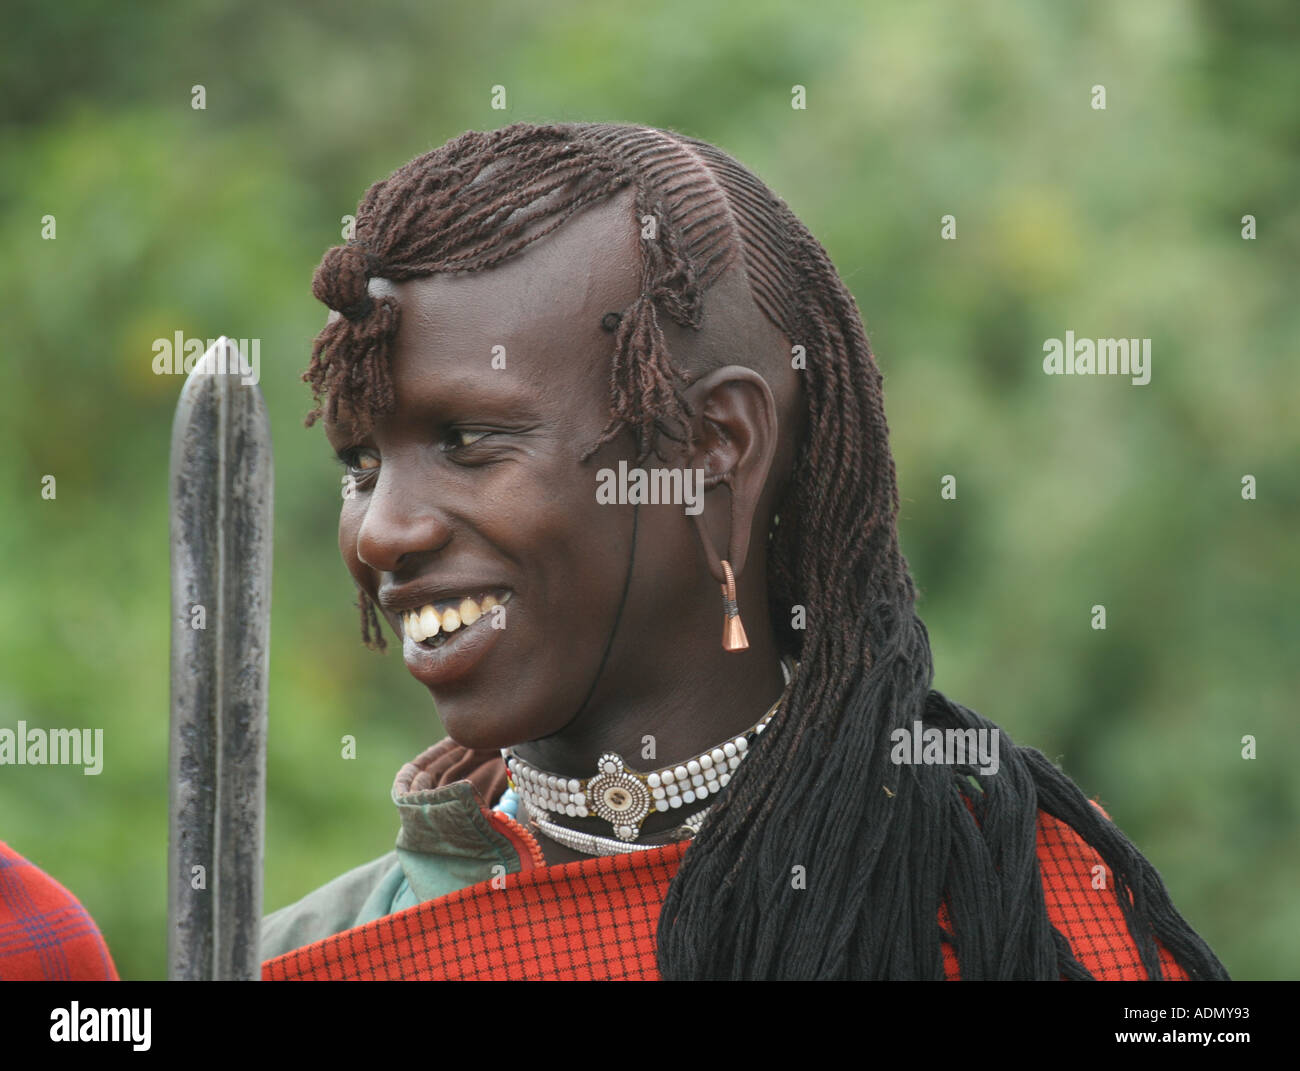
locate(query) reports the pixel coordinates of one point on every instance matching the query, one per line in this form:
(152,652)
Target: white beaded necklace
(590,844)
(625,798)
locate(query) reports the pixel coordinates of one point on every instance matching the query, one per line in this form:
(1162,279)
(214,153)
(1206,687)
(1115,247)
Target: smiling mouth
(436,623)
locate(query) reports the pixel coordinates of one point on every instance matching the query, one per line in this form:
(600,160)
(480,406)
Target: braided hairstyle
(884,847)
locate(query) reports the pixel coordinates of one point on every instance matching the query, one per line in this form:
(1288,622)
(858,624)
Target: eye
(359,462)
(459,438)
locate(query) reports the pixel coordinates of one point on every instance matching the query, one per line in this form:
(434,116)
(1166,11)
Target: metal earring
(733,632)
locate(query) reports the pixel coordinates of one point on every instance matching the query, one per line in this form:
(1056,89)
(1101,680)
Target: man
(523,314)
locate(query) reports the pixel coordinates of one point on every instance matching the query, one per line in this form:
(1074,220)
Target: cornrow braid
(889,851)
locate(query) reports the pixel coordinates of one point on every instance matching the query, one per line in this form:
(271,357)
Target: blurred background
(1070,491)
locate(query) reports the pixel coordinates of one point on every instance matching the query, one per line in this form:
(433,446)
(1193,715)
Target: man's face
(473,487)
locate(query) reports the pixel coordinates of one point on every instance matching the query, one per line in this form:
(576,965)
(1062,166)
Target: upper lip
(398,599)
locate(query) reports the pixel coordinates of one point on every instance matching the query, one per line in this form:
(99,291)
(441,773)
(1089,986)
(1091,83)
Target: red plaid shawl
(596,919)
(45,934)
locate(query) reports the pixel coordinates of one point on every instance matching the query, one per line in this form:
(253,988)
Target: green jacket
(447,841)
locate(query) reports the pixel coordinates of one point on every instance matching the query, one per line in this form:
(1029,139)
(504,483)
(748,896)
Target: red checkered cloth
(45,934)
(1089,918)
(590,920)
(597,919)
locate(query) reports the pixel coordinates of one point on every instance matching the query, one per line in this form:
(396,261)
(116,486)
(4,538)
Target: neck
(689,710)
(675,713)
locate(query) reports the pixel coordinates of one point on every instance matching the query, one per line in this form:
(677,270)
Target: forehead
(543,307)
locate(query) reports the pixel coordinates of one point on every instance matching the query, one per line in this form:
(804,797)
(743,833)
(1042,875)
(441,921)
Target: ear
(735,426)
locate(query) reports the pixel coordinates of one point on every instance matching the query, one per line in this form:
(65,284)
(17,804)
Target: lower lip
(458,657)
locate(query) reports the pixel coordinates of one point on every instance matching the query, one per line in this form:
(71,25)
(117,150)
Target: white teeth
(413,628)
(469,612)
(450,621)
(429,622)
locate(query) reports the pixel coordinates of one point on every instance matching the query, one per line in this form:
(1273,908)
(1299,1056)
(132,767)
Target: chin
(464,721)
(469,730)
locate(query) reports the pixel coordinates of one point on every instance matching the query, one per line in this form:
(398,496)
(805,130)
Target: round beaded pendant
(618,797)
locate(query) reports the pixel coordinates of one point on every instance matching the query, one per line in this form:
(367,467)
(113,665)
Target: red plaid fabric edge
(45,933)
(1081,903)
(597,919)
(591,920)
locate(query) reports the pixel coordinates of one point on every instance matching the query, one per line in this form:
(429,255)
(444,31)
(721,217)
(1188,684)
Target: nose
(399,523)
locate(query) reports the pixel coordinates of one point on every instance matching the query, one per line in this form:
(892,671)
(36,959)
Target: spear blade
(221,527)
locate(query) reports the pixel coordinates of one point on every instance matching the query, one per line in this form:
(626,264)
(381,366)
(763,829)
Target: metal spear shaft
(221,497)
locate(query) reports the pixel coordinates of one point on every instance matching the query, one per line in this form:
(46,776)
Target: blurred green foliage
(1071,492)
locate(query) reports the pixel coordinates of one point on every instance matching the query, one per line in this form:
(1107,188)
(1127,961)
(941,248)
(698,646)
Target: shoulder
(45,933)
(1082,904)
(1078,889)
(349,900)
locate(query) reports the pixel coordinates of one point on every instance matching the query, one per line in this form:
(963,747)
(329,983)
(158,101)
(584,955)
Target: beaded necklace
(625,798)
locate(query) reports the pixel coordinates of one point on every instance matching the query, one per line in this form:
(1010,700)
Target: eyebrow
(451,393)
(454,391)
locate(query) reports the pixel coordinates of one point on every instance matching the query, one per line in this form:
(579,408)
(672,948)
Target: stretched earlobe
(733,632)
(736,442)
